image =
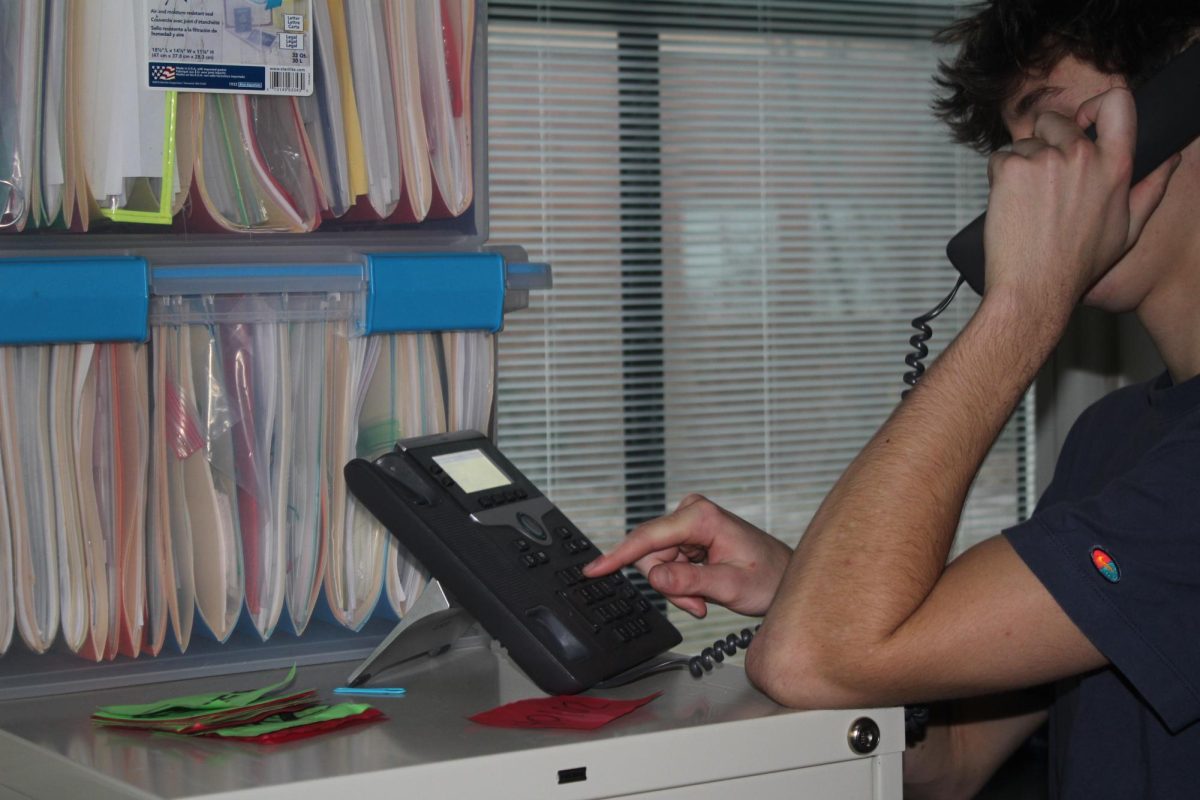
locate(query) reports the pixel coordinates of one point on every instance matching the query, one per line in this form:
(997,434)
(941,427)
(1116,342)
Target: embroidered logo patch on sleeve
(1105,565)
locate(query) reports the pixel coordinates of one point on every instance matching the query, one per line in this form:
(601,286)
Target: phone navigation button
(533,528)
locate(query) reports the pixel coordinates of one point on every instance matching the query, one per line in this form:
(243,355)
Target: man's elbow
(805,677)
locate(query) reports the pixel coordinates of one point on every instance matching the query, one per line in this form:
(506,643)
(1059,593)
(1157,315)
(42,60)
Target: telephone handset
(512,559)
(1168,112)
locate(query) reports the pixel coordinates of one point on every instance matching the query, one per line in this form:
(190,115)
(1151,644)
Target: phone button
(532,529)
(571,576)
(576,546)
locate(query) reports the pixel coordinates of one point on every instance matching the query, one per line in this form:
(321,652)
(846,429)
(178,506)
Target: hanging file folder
(253,166)
(355,546)
(176,438)
(322,114)
(251,356)
(26,450)
(20,55)
(302,474)
(7,608)
(404,399)
(50,163)
(83,563)
(210,489)
(367,39)
(125,134)
(404,68)
(445,45)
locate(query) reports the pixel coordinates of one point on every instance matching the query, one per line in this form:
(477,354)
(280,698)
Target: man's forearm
(879,541)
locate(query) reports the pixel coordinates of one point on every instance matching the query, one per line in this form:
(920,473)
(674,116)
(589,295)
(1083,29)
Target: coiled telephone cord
(710,656)
(924,334)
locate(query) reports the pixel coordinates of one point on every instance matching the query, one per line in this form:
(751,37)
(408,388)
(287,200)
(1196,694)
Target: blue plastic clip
(435,292)
(381,691)
(74,300)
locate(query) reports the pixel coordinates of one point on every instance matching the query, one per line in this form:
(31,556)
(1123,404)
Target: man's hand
(1061,211)
(703,553)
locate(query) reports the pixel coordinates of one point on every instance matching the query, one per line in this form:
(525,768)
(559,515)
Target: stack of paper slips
(257,715)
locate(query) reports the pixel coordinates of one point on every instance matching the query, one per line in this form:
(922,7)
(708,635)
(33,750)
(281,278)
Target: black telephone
(512,559)
(1168,110)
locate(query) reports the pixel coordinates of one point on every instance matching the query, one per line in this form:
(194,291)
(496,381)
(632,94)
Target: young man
(1097,597)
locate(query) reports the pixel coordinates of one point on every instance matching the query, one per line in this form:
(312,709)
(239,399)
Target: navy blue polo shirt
(1126,490)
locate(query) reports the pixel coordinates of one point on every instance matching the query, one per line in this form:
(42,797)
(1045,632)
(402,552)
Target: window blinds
(744,205)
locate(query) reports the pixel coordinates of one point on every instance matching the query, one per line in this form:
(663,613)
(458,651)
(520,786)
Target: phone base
(664,663)
(433,623)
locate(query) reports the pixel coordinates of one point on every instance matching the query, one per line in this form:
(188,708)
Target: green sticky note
(215,719)
(191,706)
(281,722)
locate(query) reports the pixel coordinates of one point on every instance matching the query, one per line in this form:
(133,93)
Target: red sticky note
(571,712)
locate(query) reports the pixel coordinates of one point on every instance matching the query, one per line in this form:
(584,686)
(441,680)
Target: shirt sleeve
(1147,621)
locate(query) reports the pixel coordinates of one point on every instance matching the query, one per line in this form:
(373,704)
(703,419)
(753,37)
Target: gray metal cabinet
(700,739)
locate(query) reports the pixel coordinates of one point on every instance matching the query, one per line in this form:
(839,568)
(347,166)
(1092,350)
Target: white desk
(710,738)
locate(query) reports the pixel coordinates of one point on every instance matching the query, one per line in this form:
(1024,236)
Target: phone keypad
(609,603)
(610,606)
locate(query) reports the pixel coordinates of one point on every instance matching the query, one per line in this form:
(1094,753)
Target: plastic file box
(201,315)
(153,339)
(392,137)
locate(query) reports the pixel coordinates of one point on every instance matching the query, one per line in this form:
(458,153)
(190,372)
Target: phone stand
(433,623)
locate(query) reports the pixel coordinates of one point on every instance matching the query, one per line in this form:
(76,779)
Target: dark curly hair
(1002,41)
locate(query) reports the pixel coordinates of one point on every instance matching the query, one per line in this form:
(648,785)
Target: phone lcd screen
(472,470)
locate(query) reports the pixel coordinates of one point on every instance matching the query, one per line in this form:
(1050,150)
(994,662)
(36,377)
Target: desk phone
(512,559)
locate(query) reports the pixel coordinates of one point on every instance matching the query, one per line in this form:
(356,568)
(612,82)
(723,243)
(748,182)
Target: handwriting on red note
(571,712)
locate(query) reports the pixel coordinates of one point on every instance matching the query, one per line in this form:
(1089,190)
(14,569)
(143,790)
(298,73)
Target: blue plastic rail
(106,299)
